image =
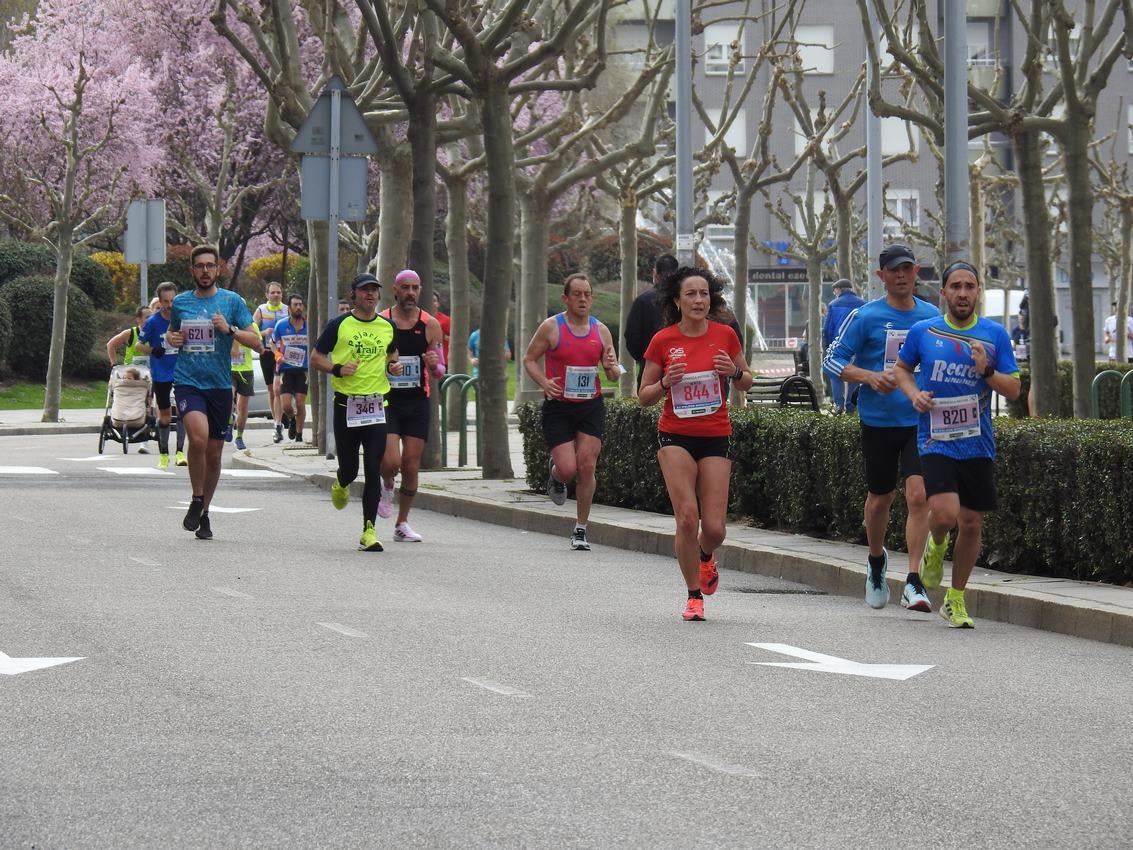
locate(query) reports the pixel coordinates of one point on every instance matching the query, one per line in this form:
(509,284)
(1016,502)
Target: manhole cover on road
(782,591)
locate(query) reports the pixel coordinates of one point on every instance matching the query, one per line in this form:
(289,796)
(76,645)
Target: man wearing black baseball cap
(356,348)
(865,353)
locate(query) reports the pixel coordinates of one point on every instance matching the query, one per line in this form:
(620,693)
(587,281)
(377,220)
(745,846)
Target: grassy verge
(28,396)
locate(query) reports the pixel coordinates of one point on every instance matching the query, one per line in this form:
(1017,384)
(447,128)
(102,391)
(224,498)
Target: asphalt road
(491,688)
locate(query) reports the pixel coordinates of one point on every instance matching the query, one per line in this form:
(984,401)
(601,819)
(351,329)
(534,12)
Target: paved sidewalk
(1096,611)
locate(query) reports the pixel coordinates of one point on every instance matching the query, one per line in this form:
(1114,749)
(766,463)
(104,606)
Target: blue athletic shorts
(216,405)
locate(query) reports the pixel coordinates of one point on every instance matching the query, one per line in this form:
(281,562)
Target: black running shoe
(204,532)
(192,520)
(291,427)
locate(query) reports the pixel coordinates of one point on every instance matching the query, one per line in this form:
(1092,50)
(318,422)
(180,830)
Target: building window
(902,212)
(718,40)
(736,135)
(1051,58)
(897,135)
(815,44)
(981,51)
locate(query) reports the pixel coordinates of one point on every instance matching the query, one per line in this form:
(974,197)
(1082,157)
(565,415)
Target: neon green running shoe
(163,461)
(181,460)
(339,495)
(955,611)
(932,562)
(369,539)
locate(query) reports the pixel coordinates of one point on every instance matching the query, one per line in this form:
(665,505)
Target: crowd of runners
(921,379)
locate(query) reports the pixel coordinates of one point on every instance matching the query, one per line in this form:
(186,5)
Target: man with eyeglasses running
(203,324)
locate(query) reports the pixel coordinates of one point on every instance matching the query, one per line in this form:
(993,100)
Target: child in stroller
(129,408)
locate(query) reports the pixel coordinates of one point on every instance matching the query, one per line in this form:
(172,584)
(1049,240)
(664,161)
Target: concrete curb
(1040,603)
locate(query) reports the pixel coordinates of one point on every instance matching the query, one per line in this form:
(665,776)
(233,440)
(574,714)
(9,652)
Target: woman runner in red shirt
(689,363)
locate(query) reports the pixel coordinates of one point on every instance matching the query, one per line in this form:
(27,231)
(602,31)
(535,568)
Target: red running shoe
(694,610)
(709,576)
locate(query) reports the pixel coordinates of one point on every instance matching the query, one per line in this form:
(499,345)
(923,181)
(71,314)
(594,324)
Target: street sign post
(145,238)
(333,142)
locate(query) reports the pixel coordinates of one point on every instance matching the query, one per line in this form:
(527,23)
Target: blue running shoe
(876,587)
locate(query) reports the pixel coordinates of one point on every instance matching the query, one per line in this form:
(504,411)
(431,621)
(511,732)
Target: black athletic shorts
(267,367)
(564,420)
(216,405)
(973,479)
(698,447)
(242,383)
(293,381)
(408,417)
(889,453)
(161,391)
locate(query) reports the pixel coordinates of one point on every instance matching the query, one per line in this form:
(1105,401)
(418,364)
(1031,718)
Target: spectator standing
(845,301)
(1109,334)
(644,319)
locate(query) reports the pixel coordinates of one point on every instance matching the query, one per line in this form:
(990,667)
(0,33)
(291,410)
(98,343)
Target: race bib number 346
(365,410)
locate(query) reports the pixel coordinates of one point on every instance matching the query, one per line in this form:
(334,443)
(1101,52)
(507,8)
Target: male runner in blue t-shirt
(865,352)
(202,326)
(163,360)
(963,358)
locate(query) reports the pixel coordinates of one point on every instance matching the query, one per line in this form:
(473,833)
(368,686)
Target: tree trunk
(64,252)
(499,150)
(423,143)
(1126,273)
(627,245)
(739,284)
(456,241)
(1036,219)
(976,219)
(814,321)
(535,236)
(1080,193)
(394,218)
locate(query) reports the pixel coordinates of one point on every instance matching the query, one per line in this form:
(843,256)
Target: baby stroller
(129,408)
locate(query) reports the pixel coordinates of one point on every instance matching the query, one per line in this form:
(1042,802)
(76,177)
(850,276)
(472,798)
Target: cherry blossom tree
(76,142)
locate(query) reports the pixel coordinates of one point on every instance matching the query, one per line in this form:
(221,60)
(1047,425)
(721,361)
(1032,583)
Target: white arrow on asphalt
(216,509)
(135,470)
(833,664)
(12,666)
(26,470)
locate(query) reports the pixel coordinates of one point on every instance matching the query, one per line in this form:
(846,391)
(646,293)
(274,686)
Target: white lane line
(145,562)
(26,470)
(93,457)
(344,630)
(236,594)
(716,765)
(215,509)
(495,688)
(136,470)
(252,473)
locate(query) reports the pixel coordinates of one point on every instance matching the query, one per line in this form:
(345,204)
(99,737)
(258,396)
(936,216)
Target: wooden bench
(792,391)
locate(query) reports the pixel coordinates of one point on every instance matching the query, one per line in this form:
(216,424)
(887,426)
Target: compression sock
(877,561)
(695,594)
(163,439)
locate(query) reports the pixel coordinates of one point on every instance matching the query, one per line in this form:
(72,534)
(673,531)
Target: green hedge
(31,302)
(24,259)
(1108,391)
(1065,487)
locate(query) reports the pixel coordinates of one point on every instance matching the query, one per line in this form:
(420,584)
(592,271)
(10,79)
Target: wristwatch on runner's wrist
(989,371)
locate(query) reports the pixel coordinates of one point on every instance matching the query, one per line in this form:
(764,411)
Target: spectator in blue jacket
(841,306)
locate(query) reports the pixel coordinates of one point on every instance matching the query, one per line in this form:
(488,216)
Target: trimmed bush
(1064,486)
(5,332)
(1108,398)
(124,277)
(93,279)
(20,259)
(30,301)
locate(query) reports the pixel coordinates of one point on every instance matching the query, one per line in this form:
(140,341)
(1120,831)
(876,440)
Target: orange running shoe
(709,576)
(694,610)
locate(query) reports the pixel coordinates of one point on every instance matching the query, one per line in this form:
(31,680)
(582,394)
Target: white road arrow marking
(93,457)
(136,470)
(26,470)
(495,687)
(832,664)
(252,473)
(12,666)
(344,630)
(216,509)
(716,764)
(145,562)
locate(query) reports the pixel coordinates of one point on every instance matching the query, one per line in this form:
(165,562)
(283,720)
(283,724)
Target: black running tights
(371,439)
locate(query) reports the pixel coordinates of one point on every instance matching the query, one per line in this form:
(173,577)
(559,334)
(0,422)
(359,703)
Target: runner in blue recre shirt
(963,359)
(202,325)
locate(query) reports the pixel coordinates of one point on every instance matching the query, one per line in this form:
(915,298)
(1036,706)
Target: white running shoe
(385,502)
(402,533)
